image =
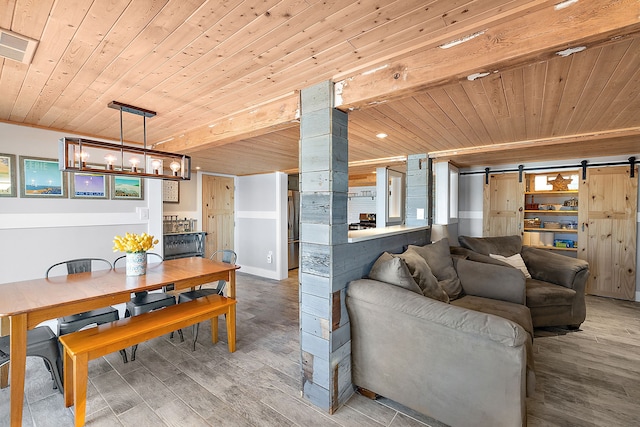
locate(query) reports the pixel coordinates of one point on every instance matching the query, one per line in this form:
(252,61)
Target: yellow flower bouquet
(134,243)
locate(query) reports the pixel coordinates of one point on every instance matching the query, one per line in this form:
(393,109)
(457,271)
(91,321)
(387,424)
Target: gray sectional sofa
(462,356)
(554,292)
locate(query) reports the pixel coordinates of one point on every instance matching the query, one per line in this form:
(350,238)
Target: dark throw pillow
(421,273)
(393,270)
(502,245)
(438,257)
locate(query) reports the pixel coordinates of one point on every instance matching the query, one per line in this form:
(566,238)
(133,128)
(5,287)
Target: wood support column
(325,336)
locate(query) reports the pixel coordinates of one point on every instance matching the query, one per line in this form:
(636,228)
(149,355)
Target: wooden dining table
(27,303)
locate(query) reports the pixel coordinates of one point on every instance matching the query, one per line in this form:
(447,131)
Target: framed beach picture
(41,178)
(7,175)
(127,188)
(89,186)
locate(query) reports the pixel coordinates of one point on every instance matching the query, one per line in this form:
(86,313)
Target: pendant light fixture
(89,156)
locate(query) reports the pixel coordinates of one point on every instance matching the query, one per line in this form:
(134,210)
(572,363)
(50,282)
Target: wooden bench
(88,344)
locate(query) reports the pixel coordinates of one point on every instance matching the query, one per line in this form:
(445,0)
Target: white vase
(136,263)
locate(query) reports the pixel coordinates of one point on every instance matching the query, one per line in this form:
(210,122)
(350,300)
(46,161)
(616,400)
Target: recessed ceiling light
(197,167)
(381,135)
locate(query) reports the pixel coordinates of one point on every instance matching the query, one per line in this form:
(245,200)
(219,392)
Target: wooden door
(217,212)
(607,230)
(503,205)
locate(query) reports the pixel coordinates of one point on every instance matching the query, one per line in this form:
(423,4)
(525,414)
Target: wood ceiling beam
(536,143)
(535,36)
(525,36)
(259,120)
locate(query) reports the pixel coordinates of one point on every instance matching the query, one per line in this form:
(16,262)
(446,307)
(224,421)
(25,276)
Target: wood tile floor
(586,378)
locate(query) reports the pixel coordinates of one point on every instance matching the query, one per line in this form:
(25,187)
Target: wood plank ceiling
(224,76)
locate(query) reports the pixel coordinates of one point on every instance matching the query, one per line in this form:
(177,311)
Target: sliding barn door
(503,205)
(607,230)
(217,212)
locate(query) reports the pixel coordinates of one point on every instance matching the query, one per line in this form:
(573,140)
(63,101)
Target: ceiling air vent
(17,47)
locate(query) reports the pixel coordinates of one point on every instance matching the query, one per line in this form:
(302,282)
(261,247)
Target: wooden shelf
(565,215)
(553,248)
(551,212)
(553,193)
(553,230)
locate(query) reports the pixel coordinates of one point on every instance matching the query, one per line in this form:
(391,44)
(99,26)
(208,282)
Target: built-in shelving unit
(551,216)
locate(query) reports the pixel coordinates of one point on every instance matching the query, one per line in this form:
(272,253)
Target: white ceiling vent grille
(17,47)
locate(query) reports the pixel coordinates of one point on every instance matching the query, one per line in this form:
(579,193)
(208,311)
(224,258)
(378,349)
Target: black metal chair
(75,322)
(144,302)
(41,342)
(225,255)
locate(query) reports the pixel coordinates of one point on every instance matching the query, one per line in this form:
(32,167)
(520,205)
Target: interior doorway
(218,212)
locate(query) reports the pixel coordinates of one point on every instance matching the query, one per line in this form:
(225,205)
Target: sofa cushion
(393,270)
(491,281)
(503,245)
(402,305)
(517,313)
(514,261)
(553,267)
(422,274)
(542,294)
(439,259)
(464,253)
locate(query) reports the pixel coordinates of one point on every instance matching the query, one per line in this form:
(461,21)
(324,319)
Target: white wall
(358,203)
(187,207)
(261,224)
(35,233)
(470,199)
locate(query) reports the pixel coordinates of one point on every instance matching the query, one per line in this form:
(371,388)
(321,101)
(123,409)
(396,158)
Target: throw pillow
(438,257)
(421,273)
(393,270)
(503,245)
(515,261)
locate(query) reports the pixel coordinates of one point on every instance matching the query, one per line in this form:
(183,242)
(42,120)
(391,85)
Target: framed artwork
(89,186)
(170,191)
(41,178)
(7,175)
(127,188)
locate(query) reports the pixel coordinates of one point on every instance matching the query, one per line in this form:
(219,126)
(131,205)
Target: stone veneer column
(325,336)
(417,190)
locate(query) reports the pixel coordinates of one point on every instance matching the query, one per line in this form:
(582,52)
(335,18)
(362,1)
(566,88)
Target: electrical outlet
(269,257)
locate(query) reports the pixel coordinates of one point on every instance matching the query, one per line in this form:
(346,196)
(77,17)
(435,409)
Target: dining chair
(144,302)
(41,342)
(225,255)
(75,322)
